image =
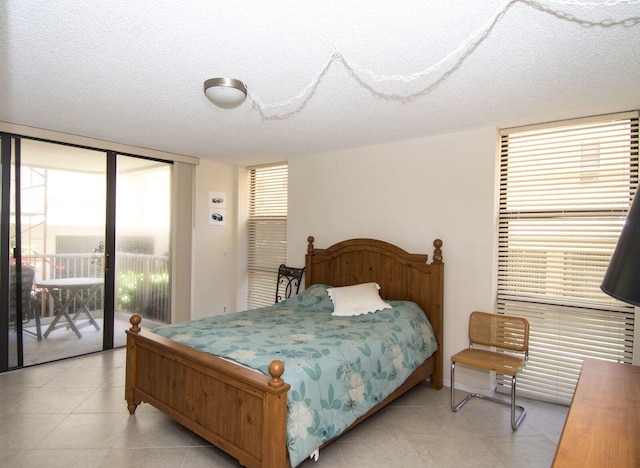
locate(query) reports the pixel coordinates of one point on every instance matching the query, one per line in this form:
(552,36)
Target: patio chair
(28,312)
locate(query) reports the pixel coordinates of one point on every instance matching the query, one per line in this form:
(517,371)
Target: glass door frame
(5,169)
(109,254)
(10,153)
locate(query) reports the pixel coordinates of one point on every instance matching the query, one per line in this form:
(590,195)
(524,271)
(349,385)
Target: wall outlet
(224,309)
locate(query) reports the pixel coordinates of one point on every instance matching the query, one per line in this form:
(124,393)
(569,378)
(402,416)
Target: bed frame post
(274,433)
(308,266)
(132,371)
(436,313)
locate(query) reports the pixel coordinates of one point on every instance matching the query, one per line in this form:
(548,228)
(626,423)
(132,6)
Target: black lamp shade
(622,279)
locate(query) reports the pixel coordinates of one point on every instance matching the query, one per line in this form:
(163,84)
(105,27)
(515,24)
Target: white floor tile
(73,413)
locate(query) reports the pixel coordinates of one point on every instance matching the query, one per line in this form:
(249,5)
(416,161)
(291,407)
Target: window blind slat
(267,231)
(564,194)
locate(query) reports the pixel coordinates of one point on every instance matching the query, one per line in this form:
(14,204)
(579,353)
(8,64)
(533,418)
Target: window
(267,231)
(565,189)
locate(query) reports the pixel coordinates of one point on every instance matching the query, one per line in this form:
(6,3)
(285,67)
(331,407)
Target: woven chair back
(500,331)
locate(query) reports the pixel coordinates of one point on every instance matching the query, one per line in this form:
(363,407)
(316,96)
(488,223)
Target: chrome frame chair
(504,333)
(289,279)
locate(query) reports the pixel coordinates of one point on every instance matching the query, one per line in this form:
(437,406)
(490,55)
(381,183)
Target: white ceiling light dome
(225,92)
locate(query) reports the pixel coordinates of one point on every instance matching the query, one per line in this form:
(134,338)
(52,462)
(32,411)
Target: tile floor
(63,342)
(72,413)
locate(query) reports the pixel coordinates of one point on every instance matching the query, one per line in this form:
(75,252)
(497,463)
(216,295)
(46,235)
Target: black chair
(288,279)
(28,311)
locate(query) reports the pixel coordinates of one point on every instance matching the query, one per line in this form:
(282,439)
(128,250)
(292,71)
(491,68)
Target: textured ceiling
(133,72)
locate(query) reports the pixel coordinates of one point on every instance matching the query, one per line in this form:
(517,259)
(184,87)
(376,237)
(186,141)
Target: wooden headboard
(402,276)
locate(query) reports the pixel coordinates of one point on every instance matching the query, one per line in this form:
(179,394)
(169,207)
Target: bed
(244,412)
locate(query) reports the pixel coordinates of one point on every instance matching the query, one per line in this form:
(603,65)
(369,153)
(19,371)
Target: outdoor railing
(142,281)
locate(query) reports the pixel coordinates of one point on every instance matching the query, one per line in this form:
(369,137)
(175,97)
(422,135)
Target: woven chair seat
(490,360)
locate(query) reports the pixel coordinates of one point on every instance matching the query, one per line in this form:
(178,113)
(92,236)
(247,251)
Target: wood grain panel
(603,424)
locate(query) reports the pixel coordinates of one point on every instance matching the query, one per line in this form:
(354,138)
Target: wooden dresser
(603,425)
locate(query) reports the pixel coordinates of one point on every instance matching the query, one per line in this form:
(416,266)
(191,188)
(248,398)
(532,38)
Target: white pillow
(356,300)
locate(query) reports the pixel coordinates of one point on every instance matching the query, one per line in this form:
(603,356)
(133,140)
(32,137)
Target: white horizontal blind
(565,190)
(268,190)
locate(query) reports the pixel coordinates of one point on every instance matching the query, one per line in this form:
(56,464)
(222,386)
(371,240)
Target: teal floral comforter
(338,367)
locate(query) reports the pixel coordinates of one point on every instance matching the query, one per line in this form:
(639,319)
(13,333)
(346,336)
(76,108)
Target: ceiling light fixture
(225,92)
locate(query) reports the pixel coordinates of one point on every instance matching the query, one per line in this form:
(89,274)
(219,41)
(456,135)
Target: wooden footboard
(240,411)
(236,409)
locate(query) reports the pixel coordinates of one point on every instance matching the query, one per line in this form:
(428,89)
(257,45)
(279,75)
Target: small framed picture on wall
(217,200)
(217,217)
(217,208)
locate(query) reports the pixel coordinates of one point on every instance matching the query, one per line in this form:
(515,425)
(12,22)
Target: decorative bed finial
(437,252)
(276,369)
(135,321)
(310,240)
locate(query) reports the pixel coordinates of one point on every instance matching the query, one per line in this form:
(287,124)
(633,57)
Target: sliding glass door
(69,279)
(57,223)
(143,233)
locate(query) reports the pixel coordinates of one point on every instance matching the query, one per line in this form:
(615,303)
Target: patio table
(74,285)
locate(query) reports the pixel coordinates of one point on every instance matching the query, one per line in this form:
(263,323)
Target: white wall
(214,247)
(409,193)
